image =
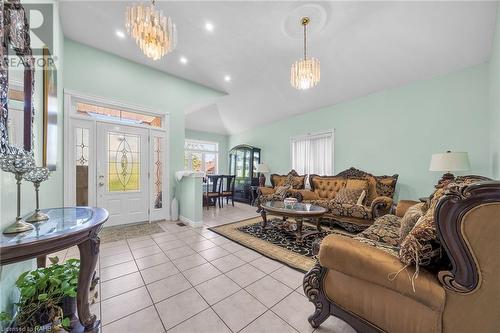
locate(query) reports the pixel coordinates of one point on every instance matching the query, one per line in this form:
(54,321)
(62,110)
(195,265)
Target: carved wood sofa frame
(463,277)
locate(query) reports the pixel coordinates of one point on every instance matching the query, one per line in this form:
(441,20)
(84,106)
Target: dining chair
(228,189)
(213,192)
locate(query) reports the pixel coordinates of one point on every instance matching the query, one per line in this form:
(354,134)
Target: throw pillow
(361,198)
(409,220)
(281,191)
(357,184)
(348,196)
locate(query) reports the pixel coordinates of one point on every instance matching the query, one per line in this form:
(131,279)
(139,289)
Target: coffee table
(299,212)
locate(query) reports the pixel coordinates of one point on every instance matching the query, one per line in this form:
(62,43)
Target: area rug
(120,232)
(275,242)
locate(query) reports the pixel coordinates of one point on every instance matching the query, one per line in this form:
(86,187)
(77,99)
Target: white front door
(122,173)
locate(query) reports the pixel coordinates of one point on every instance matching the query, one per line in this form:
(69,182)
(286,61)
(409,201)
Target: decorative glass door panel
(124,165)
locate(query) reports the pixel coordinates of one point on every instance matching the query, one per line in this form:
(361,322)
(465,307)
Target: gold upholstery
(403,206)
(279,180)
(306,194)
(357,184)
(327,187)
(266,190)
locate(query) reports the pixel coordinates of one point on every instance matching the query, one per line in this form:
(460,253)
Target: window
(126,117)
(201,156)
(313,154)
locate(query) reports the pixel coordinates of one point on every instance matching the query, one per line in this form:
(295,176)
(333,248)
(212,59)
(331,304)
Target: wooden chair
(213,190)
(227,186)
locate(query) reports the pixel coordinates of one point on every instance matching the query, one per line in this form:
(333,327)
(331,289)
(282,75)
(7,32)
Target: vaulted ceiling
(363,47)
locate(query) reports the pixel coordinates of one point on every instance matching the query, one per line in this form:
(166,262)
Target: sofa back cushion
(326,187)
(409,220)
(298,182)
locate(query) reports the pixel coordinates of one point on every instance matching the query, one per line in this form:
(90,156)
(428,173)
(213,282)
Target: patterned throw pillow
(409,220)
(281,191)
(348,196)
(357,184)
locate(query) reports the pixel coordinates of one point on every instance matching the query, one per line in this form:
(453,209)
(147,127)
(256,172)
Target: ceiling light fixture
(154,33)
(209,27)
(227,78)
(305,73)
(183,60)
(120,34)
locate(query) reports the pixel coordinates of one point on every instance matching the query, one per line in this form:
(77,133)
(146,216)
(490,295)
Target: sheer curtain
(313,154)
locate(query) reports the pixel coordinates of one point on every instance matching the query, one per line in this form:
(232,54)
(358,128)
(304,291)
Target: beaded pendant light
(305,73)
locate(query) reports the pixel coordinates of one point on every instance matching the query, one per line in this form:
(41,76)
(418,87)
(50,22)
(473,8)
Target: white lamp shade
(450,161)
(262,168)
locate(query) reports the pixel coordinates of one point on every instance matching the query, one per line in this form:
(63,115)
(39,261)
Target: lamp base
(18,226)
(37,217)
(262,180)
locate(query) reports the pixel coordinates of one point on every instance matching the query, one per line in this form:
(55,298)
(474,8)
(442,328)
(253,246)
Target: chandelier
(154,33)
(305,73)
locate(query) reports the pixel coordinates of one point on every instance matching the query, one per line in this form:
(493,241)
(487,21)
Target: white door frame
(71,118)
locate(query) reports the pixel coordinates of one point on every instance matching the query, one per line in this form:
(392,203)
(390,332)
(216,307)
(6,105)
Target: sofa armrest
(304,195)
(265,190)
(403,206)
(381,206)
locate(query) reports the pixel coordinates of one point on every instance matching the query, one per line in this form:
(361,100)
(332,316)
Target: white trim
(314,135)
(191,223)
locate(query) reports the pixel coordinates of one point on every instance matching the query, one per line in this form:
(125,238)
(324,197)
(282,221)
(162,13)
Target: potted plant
(48,296)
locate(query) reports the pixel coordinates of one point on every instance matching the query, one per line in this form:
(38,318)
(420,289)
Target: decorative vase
(174,209)
(37,176)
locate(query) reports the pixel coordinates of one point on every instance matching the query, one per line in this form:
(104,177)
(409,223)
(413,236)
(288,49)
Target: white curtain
(313,154)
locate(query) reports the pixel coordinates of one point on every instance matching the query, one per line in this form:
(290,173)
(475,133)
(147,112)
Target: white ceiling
(363,47)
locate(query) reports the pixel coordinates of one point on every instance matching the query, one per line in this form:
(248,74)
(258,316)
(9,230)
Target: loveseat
(379,193)
(370,281)
(292,181)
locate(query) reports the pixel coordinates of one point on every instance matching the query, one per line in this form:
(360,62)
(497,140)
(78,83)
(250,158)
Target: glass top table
(298,208)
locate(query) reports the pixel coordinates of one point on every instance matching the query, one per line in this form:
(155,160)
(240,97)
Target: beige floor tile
(213,253)
(295,309)
(268,290)
(334,325)
(202,245)
(146,251)
(194,239)
(125,304)
(288,276)
(121,285)
(141,243)
(201,273)
(209,234)
(116,259)
(300,290)
(188,262)
(158,272)
(269,323)
(238,310)
(164,238)
(115,271)
(220,240)
(146,320)
(245,275)
(227,263)
(179,252)
(111,251)
(206,321)
(107,245)
(186,234)
(266,265)
(138,239)
(150,261)
(176,309)
(172,244)
(233,247)
(167,287)
(217,289)
(247,255)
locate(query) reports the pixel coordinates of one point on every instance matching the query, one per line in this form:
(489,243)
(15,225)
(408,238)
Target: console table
(65,228)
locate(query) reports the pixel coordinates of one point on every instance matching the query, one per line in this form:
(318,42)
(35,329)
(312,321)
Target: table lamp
(449,162)
(262,168)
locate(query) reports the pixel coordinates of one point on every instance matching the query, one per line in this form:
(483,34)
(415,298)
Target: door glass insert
(158,172)
(81,141)
(123,162)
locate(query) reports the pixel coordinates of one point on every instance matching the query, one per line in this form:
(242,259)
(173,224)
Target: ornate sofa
(366,285)
(296,182)
(378,201)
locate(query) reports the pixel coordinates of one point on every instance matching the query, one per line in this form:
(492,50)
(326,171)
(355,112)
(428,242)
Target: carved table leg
(313,290)
(299,229)
(264,219)
(318,226)
(89,251)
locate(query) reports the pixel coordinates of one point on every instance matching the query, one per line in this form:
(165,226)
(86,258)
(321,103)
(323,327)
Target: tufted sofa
(378,201)
(365,283)
(268,193)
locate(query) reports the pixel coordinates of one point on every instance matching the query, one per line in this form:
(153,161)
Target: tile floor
(190,280)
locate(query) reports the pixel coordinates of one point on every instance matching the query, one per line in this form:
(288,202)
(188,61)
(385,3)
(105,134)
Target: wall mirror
(16,80)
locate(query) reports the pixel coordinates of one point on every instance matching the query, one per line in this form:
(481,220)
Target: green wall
(222,140)
(88,70)
(494,77)
(394,131)
(51,191)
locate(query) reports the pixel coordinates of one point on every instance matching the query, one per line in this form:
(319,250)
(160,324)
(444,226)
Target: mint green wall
(495,100)
(51,191)
(88,70)
(222,140)
(394,131)
(190,199)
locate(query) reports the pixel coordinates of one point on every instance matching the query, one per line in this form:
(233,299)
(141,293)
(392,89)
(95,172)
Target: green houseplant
(43,292)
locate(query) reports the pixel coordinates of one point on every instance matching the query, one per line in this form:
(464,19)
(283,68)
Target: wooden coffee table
(299,212)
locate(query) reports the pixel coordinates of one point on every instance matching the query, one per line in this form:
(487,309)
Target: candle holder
(37,176)
(17,162)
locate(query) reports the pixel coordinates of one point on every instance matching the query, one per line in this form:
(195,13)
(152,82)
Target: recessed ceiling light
(227,78)
(209,26)
(183,60)
(120,34)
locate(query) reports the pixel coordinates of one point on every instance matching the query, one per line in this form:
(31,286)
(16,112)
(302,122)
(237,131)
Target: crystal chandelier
(154,33)
(305,73)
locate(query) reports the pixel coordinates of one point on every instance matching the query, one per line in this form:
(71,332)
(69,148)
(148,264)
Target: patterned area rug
(277,243)
(120,232)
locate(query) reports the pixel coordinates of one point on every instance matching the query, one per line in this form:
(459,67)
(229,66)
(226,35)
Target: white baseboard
(191,222)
